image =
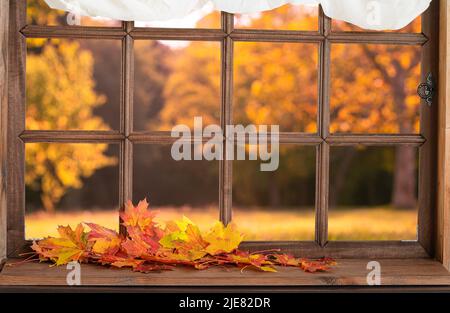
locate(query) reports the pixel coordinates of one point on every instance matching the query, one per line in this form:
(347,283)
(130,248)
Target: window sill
(348,272)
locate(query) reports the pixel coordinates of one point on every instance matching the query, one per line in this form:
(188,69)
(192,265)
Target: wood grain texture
(126,120)
(226,118)
(74,136)
(394,272)
(196,34)
(4,21)
(378,38)
(78,32)
(428,129)
(323,122)
(375,139)
(16,125)
(443,194)
(343,249)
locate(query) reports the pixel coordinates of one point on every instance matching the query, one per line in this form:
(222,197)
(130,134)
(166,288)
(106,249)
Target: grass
(378,223)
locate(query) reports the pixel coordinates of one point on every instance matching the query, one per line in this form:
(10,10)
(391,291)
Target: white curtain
(367,14)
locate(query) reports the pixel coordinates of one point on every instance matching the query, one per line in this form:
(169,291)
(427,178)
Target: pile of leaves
(149,247)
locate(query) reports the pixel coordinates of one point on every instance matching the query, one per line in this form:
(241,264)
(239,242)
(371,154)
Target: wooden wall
(4,21)
(443,192)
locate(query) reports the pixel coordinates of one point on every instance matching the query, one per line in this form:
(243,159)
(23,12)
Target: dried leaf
(223,239)
(147,247)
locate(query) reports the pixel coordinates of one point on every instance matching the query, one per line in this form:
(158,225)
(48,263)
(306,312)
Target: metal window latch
(426,90)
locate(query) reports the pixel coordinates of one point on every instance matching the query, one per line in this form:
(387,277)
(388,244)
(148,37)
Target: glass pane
(374,88)
(276,84)
(414,27)
(373,193)
(176,81)
(176,188)
(67,184)
(205,17)
(73,84)
(287,17)
(276,205)
(39,13)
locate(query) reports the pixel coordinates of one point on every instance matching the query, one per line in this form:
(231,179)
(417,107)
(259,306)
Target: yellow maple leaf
(223,239)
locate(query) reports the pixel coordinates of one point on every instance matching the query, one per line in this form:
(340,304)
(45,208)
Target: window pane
(276,205)
(287,17)
(39,13)
(176,81)
(414,27)
(276,84)
(205,17)
(176,188)
(70,184)
(373,193)
(72,84)
(374,88)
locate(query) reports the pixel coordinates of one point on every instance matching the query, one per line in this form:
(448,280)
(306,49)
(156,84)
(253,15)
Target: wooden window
(323,138)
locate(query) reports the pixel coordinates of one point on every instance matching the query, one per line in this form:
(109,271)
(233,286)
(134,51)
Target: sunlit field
(380,223)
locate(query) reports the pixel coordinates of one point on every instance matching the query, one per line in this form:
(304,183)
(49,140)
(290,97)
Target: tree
(373,91)
(60,95)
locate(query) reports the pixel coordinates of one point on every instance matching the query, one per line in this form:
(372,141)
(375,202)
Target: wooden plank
(428,129)
(16,125)
(375,139)
(226,118)
(79,32)
(74,136)
(4,21)
(394,272)
(323,121)
(256,35)
(126,121)
(343,249)
(378,38)
(196,34)
(443,193)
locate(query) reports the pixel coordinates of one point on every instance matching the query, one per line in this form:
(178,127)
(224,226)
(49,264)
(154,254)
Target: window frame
(17,136)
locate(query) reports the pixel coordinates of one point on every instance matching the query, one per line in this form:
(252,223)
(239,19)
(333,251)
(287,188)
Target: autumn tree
(60,96)
(373,91)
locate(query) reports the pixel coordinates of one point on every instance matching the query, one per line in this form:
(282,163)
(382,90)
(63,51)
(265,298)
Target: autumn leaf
(106,241)
(223,239)
(71,246)
(138,215)
(141,227)
(185,237)
(147,248)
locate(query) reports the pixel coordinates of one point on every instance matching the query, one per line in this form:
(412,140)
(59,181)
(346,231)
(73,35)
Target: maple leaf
(133,248)
(321,265)
(105,241)
(223,239)
(259,261)
(147,247)
(147,268)
(186,238)
(138,215)
(71,246)
(285,260)
(140,225)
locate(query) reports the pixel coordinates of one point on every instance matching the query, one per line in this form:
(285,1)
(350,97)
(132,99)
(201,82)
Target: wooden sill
(349,272)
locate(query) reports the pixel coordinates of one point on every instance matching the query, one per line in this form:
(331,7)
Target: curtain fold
(367,14)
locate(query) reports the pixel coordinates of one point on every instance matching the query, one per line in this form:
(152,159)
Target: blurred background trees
(373,91)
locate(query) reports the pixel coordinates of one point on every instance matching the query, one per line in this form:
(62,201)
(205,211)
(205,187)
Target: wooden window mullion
(126,119)
(226,118)
(16,125)
(323,150)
